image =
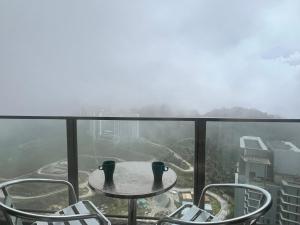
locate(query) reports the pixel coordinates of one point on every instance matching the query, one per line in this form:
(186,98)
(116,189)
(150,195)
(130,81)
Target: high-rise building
(113,129)
(274,166)
(289,203)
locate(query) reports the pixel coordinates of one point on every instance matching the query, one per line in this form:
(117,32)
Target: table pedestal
(132,212)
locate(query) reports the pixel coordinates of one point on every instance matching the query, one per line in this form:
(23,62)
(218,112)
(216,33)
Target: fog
(57,57)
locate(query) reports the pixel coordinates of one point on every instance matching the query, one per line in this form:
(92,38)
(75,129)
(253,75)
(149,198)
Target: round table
(132,180)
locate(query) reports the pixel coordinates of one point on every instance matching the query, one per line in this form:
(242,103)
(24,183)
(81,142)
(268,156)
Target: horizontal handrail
(208,119)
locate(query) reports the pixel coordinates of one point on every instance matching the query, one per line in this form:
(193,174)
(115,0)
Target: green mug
(108,168)
(158,168)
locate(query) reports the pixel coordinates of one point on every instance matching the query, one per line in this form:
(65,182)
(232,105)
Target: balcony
(199,150)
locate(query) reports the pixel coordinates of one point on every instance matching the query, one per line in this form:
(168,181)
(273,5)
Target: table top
(132,180)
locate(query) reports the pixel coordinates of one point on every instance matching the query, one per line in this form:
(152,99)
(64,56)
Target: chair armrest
(72,194)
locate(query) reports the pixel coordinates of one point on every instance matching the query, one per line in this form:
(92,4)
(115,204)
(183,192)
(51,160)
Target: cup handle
(100,168)
(166,168)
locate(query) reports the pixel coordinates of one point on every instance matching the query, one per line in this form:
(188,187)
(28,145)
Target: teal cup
(158,168)
(108,168)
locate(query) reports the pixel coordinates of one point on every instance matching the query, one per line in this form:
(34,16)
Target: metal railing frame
(200,139)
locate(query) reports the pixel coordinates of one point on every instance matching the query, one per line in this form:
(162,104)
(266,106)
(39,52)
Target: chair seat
(78,208)
(196,214)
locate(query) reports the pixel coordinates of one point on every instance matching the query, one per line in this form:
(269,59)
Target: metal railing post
(199,164)
(72,153)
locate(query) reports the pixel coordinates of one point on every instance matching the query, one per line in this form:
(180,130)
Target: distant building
(289,203)
(274,166)
(115,130)
(255,159)
(283,152)
(185,196)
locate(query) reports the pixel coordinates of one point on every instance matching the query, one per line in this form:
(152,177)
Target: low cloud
(196,55)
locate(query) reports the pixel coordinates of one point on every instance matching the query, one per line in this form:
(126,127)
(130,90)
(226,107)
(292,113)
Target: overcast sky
(59,56)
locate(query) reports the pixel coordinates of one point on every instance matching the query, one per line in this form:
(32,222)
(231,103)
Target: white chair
(190,214)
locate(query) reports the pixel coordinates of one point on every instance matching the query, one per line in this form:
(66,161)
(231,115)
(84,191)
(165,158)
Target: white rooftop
(292,146)
(253,138)
(258,160)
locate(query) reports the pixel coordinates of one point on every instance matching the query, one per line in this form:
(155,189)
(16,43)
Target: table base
(132,212)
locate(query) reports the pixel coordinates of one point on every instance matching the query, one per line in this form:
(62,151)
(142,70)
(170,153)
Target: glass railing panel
(266,154)
(34,148)
(169,141)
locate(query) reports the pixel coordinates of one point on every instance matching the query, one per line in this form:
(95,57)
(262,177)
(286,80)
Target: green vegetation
(184,179)
(215,205)
(185,147)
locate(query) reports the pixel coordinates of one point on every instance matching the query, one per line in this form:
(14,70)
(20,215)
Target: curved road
(224,210)
(177,156)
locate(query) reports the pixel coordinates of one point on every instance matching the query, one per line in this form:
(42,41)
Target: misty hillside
(234,112)
(239,112)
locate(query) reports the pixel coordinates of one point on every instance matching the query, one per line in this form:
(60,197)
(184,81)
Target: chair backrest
(256,201)
(13,216)
(200,217)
